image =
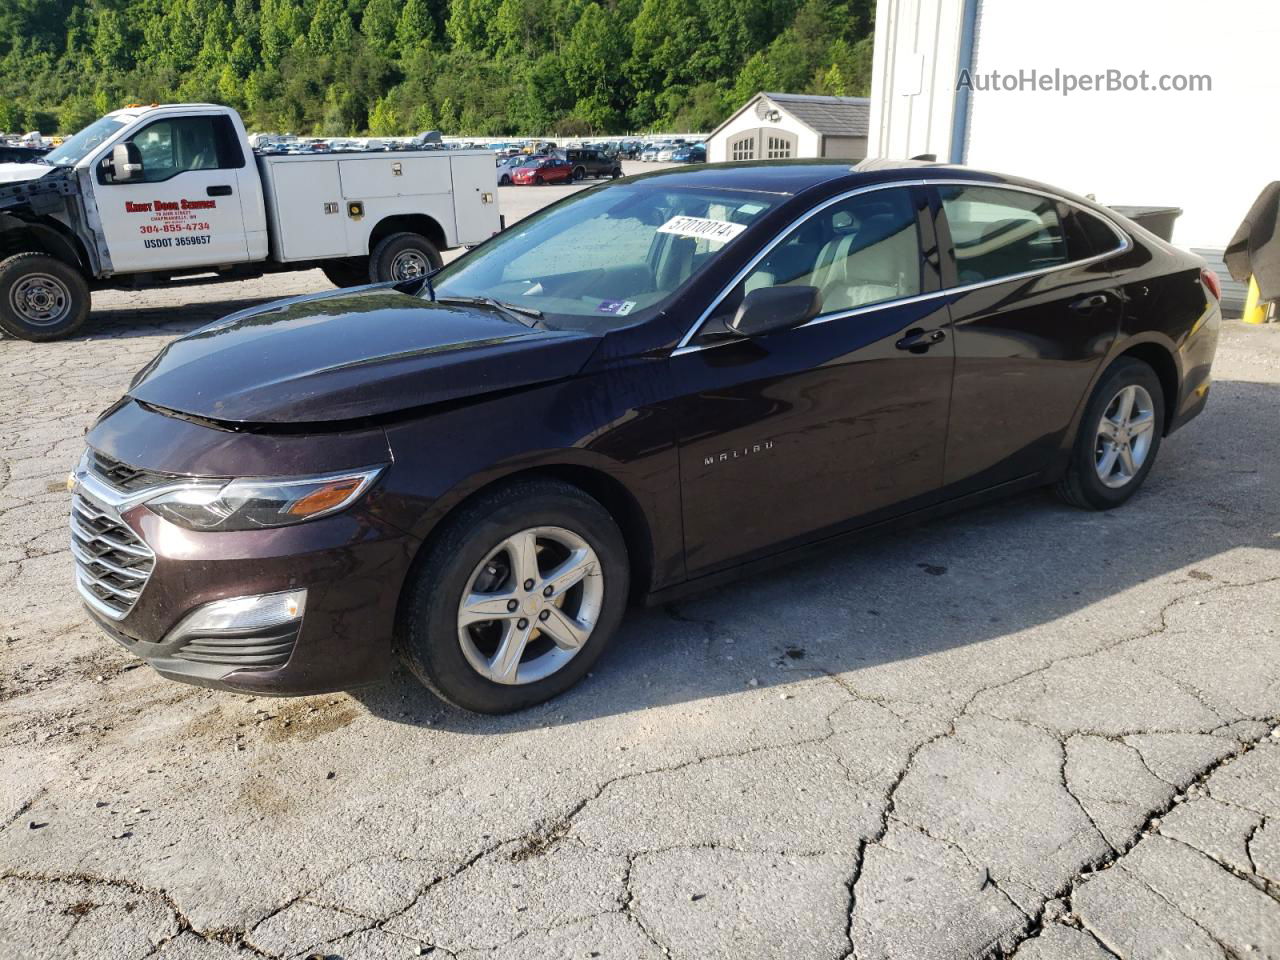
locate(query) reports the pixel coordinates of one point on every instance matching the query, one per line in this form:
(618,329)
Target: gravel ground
(1023,731)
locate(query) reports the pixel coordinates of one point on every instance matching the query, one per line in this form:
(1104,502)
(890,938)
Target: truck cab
(161,194)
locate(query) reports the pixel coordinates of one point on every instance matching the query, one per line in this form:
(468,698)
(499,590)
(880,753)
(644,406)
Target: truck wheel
(402,256)
(41,298)
(579,173)
(347,273)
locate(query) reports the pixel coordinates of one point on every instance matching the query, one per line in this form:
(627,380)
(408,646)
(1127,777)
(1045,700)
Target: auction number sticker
(702,229)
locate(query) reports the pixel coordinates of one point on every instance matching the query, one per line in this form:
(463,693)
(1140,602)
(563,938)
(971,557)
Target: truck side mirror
(125,163)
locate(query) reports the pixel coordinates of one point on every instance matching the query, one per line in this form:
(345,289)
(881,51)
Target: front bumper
(351,566)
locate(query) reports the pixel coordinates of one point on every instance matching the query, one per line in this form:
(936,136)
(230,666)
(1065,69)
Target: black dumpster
(1159,220)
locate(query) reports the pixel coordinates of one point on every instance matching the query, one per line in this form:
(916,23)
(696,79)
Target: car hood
(350,354)
(18,172)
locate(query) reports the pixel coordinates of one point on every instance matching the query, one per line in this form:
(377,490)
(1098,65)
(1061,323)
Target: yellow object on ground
(1255,311)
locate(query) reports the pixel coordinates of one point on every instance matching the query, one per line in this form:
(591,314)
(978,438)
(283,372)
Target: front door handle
(1089,304)
(919,340)
(220,190)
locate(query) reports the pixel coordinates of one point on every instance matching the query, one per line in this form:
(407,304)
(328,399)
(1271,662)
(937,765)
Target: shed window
(744,148)
(779,148)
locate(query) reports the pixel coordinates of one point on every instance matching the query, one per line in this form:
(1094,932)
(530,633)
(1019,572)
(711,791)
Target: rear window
(1001,233)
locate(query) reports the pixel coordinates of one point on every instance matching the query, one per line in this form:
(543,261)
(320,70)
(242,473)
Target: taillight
(1212,282)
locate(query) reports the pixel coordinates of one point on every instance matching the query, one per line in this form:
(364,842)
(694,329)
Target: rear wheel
(579,173)
(517,598)
(403,256)
(1118,438)
(41,298)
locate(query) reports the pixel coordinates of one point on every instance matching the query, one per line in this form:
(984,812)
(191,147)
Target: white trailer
(174,193)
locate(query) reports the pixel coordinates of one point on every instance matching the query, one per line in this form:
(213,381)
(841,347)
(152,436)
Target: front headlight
(252,504)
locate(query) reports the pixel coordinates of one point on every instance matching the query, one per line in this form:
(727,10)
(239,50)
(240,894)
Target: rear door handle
(1089,304)
(221,190)
(918,340)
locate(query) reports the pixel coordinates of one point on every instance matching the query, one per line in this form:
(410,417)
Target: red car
(545,170)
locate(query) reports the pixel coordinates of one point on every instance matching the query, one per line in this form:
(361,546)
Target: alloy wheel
(530,606)
(1124,436)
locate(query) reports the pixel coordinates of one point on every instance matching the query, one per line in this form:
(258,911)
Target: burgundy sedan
(649,387)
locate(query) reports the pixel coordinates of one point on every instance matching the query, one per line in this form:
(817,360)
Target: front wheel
(517,598)
(403,256)
(41,298)
(538,181)
(1118,438)
(579,173)
(505,181)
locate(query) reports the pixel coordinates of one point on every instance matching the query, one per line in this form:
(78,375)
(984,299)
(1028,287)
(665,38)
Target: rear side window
(1100,237)
(1001,233)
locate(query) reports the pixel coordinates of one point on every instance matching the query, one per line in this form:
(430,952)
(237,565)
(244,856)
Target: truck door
(185,211)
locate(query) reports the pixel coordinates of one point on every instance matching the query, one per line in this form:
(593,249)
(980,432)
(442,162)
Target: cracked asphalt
(1025,731)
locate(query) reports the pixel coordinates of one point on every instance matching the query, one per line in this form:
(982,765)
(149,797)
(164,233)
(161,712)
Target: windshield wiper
(528,316)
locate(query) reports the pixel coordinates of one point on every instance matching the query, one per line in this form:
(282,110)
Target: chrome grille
(112,563)
(126,478)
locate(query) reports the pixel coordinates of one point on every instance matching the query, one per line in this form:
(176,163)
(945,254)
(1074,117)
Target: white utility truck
(169,194)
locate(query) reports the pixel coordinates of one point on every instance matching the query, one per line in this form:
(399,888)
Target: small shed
(775,126)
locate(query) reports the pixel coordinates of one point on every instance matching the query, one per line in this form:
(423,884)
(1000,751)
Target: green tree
(415,27)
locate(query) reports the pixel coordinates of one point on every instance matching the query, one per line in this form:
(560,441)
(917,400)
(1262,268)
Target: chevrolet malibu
(646,388)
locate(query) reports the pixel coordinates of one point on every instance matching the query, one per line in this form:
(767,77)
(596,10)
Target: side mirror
(770,309)
(125,164)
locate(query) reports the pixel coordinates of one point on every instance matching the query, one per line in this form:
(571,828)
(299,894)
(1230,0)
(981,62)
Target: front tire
(402,256)
(505,181)
(41,298)
(516,599)
(579,173)
(1118,438)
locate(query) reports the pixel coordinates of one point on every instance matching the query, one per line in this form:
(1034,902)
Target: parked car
(590,162)
(10,154)
(649,153)
(540,170)
(690,154)
(506,166)
(665,153)
(797,353)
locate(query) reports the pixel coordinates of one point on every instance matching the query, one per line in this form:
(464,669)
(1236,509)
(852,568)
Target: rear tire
(443,654)
(41,298)
(347,273)
(579,173)
(1118,438)
(402,256)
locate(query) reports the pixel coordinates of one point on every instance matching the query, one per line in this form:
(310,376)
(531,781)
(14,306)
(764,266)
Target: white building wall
(1209,153)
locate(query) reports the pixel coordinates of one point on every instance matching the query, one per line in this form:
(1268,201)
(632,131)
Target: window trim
(684,345)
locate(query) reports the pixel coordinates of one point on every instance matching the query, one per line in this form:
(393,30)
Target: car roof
(792,177)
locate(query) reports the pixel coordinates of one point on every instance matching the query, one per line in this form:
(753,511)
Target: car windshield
(75,148)
(606,257)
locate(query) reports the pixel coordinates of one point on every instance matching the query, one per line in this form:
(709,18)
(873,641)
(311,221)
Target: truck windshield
(75,148)
(606,257)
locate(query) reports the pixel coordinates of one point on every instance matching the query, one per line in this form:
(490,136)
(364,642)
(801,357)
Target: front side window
(1001,233)
(604,257)
(173,146)
(859,251)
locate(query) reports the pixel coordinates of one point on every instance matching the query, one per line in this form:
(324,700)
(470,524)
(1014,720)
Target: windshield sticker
(719,230)
(619,308)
